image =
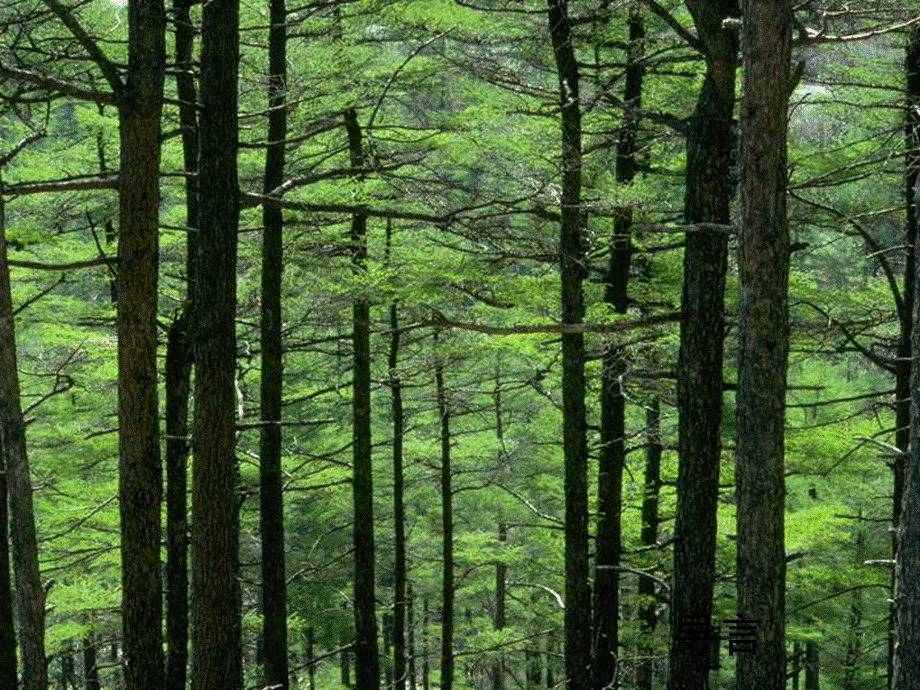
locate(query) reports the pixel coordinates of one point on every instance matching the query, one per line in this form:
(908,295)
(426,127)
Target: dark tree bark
(399,511)
(904,655)
(612,454)
(410,642)
(764,339)
(699,377)
(216,663)
(574,426)
(425,665)
(501,572)
(7,631)
(271,499)
(447,535)
(30,597)
(812,666)
(90,670)
(178,373)
(367,663)
(648,615)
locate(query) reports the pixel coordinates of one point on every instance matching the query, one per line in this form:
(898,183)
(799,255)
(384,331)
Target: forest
(459,344)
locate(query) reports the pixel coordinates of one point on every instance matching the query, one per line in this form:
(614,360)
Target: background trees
(447,200)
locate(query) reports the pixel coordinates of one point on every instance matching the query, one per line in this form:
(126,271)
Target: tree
(366,657)
(215,548)
(763,267)
(271,499)
(574,431)
(140,471)
(906,656)
(699,369)
(30,596)
(447,533)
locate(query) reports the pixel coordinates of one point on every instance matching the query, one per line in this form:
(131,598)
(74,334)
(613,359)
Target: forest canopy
(478,343)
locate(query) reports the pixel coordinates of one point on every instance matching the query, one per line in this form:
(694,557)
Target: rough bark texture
(30,598)
(271,499)
(215,550)
(905,642)
(447,537)
(612,455)
(764,339)
(7,631)
(140,469)
(574,427)
(501,571)
(699,377)
(399,512)
(648,615)
(367,663)
(178,374)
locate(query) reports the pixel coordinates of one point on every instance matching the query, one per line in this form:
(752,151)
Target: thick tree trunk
(7,631)
(30,598)
(271,499)
(447,536)
(648,615)
(904,644)
(699,378)
(612,456)
(140,469)
(764,340)
(178,374)
(216,663)
(574,426)
(367,663)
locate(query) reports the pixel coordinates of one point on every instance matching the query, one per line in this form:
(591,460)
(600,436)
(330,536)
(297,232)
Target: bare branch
(39,266)
(108,68)
(56,85)
(63,185)
(442,321)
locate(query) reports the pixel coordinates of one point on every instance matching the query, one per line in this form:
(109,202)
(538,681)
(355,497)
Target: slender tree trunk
(574,426)
(764,340)
(904,639)
(855,634)
(367,663)
(425,664)
(699,379)
(410,629)
(501,573)
(613,405)
(648,615)
(216,663)
(7,631)
(447,536)
(271,498)
(178,374)
(90,670)
(30,597)
(812,666)
(399,512)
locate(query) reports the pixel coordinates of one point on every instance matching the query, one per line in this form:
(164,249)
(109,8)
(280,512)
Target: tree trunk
(30,598)
(447,536)
(812,666)
(7,630)
(699,378)
(612,454)
(399,512)
(501,573)
(764,340)
(367,663)
(425,664)
(904,655)
(90,670)
(271,499)
(648,615)
(574,426)
(178,373)
(216,663)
